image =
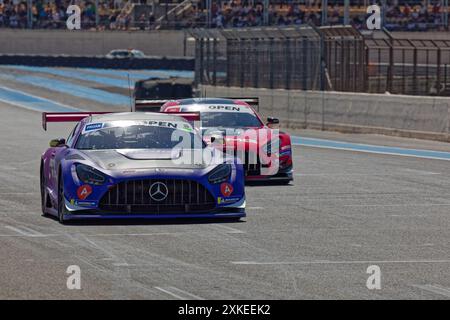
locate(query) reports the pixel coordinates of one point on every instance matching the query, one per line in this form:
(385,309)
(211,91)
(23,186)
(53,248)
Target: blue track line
(32,102)
(138,75)
(71,89)
(348,146)
(74,74)
(98,75)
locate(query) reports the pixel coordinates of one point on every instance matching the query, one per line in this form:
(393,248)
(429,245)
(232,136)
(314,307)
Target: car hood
(130,159)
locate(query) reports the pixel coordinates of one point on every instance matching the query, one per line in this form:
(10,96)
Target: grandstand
(411,15)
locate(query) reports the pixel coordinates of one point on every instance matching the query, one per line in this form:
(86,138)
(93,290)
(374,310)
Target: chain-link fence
(408,66)
(335,58)
(304,57)
(273,58)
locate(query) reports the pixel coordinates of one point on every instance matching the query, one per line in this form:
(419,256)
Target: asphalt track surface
(314,239)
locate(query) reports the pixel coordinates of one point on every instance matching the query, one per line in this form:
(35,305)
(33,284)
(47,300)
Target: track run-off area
(357,201)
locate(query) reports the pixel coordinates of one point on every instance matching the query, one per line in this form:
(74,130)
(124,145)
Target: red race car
(235,126)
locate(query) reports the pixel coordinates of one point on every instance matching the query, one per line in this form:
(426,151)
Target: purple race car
(137,165)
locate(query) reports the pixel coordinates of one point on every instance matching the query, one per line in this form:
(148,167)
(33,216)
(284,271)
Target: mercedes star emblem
(158,191)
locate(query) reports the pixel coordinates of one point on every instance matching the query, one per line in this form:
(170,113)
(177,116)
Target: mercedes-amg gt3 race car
(265,152)
(137,165)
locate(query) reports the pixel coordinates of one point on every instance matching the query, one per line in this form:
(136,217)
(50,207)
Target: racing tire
(61,202)
(43,193)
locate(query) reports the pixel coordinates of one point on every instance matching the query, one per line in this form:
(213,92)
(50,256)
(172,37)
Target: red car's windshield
(229,120)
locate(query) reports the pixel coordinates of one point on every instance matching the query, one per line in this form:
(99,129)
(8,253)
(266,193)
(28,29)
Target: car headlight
(220,174)
(90,175)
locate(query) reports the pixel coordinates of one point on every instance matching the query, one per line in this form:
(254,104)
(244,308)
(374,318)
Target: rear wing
(189,116)
(254,102)
(150,105)
(78,116)
(66,117)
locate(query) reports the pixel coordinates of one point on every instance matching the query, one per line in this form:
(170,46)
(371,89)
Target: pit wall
(398,115)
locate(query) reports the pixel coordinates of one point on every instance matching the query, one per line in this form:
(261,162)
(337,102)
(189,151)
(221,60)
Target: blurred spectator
(411,15)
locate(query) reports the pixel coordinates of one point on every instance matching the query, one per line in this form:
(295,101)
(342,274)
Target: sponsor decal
(221,200)
(84,191)
(227,108)
(166,124)
(219,108)
(226,189)
(187,127)
(126,123)
(86,203)
(93,126)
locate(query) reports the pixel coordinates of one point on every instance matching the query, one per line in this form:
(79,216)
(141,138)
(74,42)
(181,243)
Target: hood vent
(150,154)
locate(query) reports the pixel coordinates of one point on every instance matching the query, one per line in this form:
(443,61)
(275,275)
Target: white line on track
(22,235)
(255,208)
(25,231)
(410,171)
(221,227)
(420,172)
(17,193)
(434,289)
(338,262)
(179,294)
(334,174)
(137,234)
(397,205)
(408,215)
(375,152)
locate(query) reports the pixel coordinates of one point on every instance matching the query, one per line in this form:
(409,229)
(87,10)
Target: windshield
(138,53)
(137,136)
(229,120)
(120,53)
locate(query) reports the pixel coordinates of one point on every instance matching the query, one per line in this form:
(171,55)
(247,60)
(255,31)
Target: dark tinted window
(229,120)
(138,137)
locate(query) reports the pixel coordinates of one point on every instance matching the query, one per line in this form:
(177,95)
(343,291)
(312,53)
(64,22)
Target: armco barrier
(173,63)
(408,116)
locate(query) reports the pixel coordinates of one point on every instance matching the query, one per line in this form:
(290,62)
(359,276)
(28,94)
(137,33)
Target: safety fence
(304,57)
(338,58)
(408,66)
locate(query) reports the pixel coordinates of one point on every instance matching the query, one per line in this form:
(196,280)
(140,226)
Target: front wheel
(43,194)
(61,201)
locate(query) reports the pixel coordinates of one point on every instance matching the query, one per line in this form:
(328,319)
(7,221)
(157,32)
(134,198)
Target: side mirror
(57,143)
(272,120)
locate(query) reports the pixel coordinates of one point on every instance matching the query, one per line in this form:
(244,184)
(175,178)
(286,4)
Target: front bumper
(81,216)
(284,176)
(235,210)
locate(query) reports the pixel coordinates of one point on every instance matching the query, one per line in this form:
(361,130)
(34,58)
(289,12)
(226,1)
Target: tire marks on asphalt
(436,289)
(178,293)
(26,232)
